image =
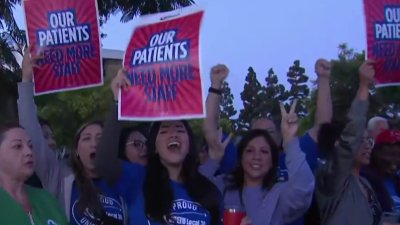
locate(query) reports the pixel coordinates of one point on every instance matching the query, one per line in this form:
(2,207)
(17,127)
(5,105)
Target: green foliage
(252,97)
(299,89)
(273,94)
(130,9)
(67,111)
(226,107)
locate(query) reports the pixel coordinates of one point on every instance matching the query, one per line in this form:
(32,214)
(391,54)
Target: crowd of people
(334,174)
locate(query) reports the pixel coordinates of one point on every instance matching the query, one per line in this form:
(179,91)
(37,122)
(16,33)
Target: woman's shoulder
(38,193)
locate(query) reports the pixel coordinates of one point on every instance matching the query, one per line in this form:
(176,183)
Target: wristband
(215,91)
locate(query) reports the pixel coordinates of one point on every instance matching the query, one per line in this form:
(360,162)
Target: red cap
(388,137)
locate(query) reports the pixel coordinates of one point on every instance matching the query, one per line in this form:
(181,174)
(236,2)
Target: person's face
(87,145)
(172,143)
(269,126)
(16,160)
(256,161)
(363,155)
(378,128)
(388,158)
(49,136)
(136,149)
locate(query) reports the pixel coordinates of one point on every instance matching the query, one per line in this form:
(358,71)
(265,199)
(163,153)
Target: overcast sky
(263,34)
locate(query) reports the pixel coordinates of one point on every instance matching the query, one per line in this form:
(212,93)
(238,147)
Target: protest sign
(66,33)
(163,64)
(383,39)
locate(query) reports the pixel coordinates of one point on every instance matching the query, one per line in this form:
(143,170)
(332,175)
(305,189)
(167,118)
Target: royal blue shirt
(184,210)
(111,202)
(393,194)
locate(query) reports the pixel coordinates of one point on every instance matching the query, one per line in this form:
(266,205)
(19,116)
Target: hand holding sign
(323,68)
(218,74)
(289,123)
(28,63)
(120,81)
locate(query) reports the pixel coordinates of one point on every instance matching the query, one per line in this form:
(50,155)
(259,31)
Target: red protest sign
(383,39)
(67,34)
(164,68)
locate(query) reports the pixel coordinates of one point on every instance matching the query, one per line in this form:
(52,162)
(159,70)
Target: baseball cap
(388,137)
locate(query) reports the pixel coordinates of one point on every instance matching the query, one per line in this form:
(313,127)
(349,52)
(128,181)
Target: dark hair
(236,179)
(158,193)
(123,138)
(89,194)
(328,134)
(4,127)
(44,122)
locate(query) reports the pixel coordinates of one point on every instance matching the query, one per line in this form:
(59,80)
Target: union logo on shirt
(186,212)
(112,207)
(51,222)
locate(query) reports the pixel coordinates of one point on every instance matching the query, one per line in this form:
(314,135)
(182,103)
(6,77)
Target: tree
(252,101)
(226,105)
(299,89)
(12,41)
(273,94)
(384,101)
(130,9)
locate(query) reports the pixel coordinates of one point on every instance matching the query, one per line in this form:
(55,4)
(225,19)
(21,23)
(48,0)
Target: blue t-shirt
(310,149)
(228,162)
(114,198)
(112,204)
(393,194)
(184,211)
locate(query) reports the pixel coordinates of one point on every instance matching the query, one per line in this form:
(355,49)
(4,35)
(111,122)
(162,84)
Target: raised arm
(332,177)
(210,125)
(108,165)
(47,166)
(297,192)
(212,134)
(323,113)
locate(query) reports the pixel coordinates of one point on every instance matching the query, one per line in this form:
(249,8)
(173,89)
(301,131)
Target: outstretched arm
(323,113)
(210,125)
(47,166)
(108,165)
(333,176)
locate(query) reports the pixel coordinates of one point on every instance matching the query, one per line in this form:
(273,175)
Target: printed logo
(188,213)
(51,222)
(112,207)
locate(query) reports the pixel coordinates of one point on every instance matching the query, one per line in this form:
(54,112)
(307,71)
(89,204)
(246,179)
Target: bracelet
(215,91)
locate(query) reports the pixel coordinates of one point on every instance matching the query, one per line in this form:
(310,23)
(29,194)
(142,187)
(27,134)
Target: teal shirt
(45,209)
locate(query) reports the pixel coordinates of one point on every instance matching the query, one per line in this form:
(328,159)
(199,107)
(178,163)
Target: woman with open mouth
(252,186)
(82,193)
(174,192)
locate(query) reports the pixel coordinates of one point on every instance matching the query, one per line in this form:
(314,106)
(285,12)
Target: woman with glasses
(382,173)
(344,197)
(132,145)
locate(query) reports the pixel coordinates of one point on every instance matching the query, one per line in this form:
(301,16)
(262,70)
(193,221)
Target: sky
(262,34)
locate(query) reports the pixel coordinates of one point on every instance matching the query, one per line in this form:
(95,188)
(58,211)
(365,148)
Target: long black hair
(89,194)
(236,179)
(158,193)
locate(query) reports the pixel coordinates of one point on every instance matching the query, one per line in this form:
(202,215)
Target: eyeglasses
(370,141)
(137,144)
